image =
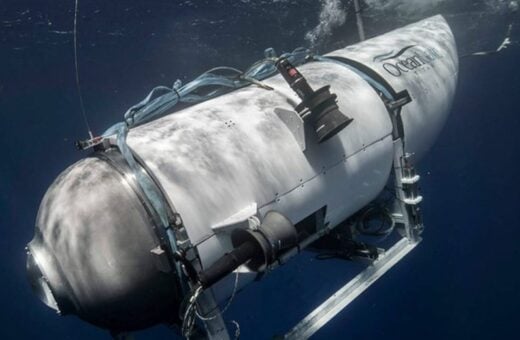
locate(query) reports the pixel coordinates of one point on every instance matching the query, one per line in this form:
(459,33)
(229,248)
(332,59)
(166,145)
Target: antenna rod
(78,86)
(359,20)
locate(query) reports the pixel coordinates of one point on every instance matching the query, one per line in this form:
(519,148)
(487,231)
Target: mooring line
(78,86)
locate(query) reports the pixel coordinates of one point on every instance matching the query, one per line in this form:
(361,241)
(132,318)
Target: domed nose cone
(92,251)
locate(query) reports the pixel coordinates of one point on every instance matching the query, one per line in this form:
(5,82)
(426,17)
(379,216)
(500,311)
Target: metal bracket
(406,190)
(345,295)
(215,325)
(401,99)
(406,213)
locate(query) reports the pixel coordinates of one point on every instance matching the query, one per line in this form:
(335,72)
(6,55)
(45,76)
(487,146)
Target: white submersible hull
(99,250)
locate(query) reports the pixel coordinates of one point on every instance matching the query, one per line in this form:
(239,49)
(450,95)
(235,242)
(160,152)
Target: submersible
(236,177)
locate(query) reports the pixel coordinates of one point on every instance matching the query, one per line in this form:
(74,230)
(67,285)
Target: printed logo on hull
(398,63)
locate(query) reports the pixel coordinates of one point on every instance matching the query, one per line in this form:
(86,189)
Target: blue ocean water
(461,282)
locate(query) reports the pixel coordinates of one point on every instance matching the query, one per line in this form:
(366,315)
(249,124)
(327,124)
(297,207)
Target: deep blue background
(461,282)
